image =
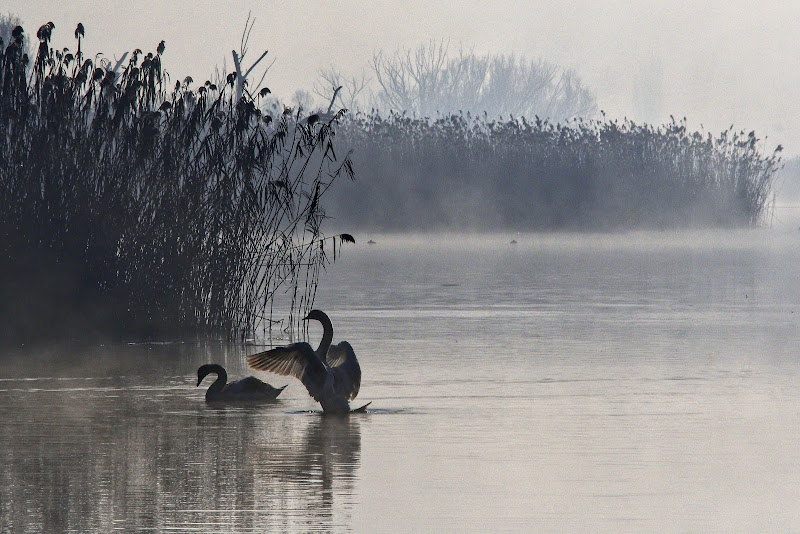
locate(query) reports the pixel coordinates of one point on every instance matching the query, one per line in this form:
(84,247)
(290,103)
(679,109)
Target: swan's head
(317,315)
(207,369)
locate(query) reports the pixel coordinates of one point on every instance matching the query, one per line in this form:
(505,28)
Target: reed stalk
(138,208)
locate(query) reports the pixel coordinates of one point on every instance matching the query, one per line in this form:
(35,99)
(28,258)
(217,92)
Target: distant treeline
(473,173)
(434,78)
(133,207)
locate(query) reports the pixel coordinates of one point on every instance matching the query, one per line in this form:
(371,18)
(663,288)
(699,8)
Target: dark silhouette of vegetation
(463,172)
(8,23)
(133,207)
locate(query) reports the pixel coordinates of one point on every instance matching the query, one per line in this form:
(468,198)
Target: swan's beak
(198,381)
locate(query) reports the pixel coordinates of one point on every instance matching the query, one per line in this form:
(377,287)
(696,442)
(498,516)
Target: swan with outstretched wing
(331,374)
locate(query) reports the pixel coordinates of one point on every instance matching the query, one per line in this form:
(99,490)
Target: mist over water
(608,383)
(604,375)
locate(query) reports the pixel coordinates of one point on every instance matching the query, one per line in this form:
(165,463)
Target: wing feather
(344,365)
(297,360)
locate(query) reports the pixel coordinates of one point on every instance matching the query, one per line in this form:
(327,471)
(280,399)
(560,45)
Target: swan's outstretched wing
(297,360)
(344,366)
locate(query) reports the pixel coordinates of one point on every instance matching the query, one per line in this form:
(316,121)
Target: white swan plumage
(246,389)
(331,374)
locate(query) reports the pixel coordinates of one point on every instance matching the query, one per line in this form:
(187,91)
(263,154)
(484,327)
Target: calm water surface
(624,383)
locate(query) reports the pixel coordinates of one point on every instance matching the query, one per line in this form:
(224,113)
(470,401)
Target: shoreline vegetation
(140,208)
(134,208)
(475,173)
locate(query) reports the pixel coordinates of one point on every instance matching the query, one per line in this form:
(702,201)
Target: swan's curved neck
(327,337)
(219,383)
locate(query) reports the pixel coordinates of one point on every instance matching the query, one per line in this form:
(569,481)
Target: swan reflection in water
(306,478)
(246,389)
(331,374)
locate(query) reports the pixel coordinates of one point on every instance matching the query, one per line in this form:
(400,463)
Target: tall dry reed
(134,207)
(464,172)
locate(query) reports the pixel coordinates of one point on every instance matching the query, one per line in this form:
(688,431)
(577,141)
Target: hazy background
(720,63)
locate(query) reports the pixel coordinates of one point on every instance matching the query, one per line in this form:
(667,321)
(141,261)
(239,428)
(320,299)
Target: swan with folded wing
(246,389)
(331,373)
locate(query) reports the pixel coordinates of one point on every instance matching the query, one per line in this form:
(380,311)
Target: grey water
(566,383)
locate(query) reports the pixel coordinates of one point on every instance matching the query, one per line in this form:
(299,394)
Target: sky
(718,63)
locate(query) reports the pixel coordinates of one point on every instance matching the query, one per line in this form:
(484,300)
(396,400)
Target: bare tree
(569,98)
(347,92)
(303,100)
(429,80)
(241,74)
(517,87)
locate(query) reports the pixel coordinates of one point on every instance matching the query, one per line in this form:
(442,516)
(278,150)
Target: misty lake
(566,383)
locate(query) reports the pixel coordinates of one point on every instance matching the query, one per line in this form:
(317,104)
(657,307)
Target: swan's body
(246,389)
(331,374)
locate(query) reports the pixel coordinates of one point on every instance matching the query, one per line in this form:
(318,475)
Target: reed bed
(134,207)
(471,172)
